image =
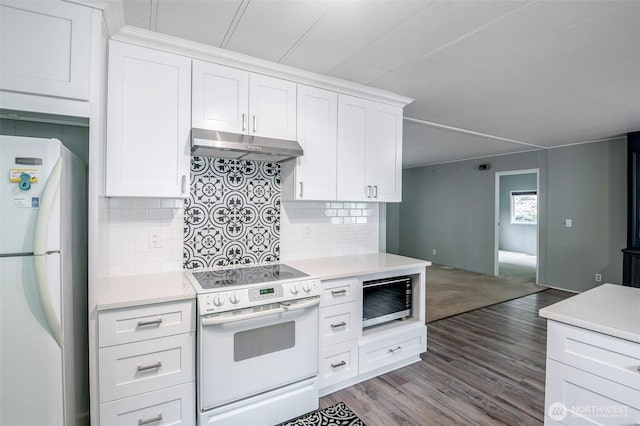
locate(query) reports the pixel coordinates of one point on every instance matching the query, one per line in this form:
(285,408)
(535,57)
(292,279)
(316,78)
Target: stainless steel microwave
(385,300)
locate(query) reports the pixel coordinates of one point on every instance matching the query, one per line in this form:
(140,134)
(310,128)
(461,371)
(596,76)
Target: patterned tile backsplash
(233,213)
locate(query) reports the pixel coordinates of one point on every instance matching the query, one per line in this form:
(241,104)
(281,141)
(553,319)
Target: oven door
(250,351)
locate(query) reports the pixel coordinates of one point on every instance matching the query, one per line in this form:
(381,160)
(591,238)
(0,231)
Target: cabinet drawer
(134,368)
(338,363)
(339,291)
(605,356)
(147,322)
(171,406)
(391,348)
(588,399)
(339,323)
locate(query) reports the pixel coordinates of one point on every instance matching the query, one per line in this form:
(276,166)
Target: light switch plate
(568,223)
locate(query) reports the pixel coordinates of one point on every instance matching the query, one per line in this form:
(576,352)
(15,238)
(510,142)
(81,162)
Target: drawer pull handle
(399,348)
(150,367)
(639,372)
(340,324)
(338,292)
(148,323)
(156,419)
(339,364)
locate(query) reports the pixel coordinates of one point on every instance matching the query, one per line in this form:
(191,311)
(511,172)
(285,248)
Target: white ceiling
(489,77)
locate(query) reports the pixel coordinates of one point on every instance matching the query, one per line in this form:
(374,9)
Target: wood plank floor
(484,367)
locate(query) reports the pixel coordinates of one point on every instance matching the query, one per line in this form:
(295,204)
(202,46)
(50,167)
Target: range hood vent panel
(213,143)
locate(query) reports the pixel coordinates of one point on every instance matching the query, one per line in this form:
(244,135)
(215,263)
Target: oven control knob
(234,298)
(218,300)
(294,289)
(306,287)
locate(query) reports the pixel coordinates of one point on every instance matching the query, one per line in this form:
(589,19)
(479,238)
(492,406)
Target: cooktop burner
(246,275)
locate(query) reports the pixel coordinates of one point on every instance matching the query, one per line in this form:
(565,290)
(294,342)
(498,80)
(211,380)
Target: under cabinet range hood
(213,143)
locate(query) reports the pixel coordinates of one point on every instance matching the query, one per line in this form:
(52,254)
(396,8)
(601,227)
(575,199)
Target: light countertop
(609,309)
(362,264)
(136,290)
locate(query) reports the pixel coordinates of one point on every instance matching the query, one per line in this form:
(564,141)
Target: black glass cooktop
(246,275)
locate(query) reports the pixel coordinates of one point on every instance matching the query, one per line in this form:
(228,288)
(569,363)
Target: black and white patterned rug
(336,415)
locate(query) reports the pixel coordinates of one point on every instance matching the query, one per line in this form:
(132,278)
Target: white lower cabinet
(147,364)
(348,354)
(338,363)
(339,323)
(170,406)
(591,378)
(391,348)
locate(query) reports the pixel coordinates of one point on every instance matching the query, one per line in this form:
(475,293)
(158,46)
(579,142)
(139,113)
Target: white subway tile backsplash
(129,222)
(345,233)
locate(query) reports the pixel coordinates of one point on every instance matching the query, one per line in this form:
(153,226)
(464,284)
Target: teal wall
(75,138)
(451,208)
(516,237)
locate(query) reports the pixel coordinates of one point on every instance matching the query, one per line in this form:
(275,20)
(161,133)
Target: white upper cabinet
(369,150)
(315,171)
(148,123)
(45,48)
(272,105)
(354,133)
(232,100)
(220,97)
(384,153)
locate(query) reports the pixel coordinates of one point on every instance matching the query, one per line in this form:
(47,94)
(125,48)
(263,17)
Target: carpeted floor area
(454,291)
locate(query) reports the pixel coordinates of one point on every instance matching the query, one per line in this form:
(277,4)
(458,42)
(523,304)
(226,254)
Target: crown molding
(200,51)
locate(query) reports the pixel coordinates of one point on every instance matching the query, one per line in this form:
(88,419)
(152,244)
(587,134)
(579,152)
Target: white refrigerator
(43,284)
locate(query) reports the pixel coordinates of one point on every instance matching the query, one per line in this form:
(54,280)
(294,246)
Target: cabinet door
(354,133)
(384,153)
(46,48)
(272,107)
(317,134)
(220,98)
(148,123)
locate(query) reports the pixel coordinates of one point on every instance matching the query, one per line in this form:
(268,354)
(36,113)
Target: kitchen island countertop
(362,264)
(136,290)
(609,309)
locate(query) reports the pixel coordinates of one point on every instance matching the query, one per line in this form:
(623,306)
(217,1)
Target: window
(524,207)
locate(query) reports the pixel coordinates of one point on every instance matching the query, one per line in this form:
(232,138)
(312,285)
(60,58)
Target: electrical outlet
(306,232)
(434,252)
(598,278)
(154,239)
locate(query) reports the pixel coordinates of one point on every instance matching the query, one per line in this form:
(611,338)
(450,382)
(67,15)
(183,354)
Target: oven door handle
(216,320)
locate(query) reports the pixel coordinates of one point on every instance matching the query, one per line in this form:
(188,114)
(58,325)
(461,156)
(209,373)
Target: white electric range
(257,344)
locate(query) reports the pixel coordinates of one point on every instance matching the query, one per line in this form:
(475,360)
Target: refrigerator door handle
(40,252)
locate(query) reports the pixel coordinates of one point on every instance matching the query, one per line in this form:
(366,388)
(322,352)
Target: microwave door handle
(365,285)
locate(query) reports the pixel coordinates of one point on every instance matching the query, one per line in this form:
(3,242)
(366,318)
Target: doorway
(516,225)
